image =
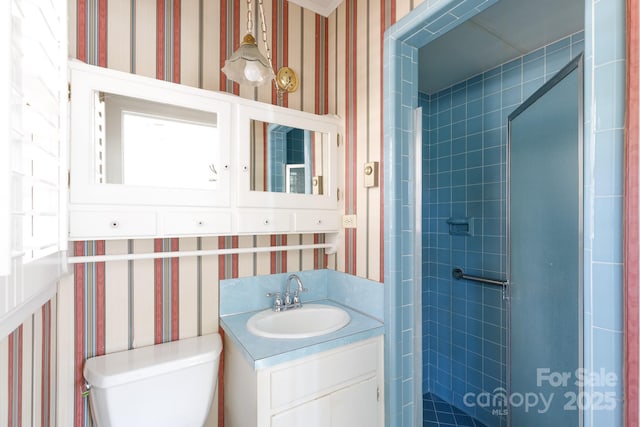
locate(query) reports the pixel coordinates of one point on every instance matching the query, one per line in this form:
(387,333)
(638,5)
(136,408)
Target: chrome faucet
(295,302)
(289,301)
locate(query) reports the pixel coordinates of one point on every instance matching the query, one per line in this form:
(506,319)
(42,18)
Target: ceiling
(506,30)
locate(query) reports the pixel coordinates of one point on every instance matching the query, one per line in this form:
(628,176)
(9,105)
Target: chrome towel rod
(458,274)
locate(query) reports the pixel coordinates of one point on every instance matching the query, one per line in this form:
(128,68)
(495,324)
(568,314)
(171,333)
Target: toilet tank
(170,384)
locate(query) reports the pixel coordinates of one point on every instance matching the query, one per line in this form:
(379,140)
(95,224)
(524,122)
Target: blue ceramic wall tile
(609,81)
(609,152)
(609,315)
(492,82)
(556,60)
(609,44)
(474,106)
(531,86)
(477,325)
(512,96)
(610,363)
(533,69)
(492,102)
(512,74)
(607,237)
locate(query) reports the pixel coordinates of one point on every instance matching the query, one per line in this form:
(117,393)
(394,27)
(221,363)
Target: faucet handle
(287,298)
(277,302)
(296,296)
(299,291)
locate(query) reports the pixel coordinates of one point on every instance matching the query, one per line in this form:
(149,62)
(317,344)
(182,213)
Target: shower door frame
(575,64)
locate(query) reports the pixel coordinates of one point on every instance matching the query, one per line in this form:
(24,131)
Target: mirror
(287,159)
(143,143)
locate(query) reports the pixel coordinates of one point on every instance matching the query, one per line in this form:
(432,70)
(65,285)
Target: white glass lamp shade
(247,65)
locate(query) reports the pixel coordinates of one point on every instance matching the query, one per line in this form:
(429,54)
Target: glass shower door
(545,254)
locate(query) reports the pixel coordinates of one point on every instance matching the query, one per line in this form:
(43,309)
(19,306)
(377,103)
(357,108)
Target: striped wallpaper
(338,60)
(28,374)
(126,304)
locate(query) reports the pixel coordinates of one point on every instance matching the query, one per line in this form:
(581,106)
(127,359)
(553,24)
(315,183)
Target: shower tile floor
(438,413)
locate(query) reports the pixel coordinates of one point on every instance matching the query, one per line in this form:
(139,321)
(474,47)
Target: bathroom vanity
(330,379)
(339,387)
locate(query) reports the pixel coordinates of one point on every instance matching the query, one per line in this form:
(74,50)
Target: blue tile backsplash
(463,173)
(241,298)
(249,293)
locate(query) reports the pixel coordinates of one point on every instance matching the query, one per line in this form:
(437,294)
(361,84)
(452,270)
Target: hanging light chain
(249,17)
(263,28)
(264,33)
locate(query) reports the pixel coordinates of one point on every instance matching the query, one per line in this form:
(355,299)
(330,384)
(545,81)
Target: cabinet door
(141,141)
(288,159)
(316,413)
(353,406)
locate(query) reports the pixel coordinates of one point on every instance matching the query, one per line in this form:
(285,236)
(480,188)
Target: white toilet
(169,384)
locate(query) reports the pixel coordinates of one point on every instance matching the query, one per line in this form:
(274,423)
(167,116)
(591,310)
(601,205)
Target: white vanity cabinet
(339,387)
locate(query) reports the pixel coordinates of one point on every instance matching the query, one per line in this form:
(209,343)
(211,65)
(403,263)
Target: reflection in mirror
(287,159)
(144,143)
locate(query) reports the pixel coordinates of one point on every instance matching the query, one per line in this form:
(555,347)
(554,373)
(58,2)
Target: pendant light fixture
(248,66)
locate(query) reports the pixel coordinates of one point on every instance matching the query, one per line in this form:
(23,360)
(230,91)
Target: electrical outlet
(349,221)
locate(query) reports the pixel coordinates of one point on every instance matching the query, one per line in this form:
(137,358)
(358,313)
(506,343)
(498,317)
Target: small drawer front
(317,221)
(185,223)
(324,373)
(264,222)
(97,224)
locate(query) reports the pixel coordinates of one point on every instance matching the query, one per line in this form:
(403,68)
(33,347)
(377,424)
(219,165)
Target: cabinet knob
(319,222)
(267,222)
(115,224)
(245,168)
(200,223)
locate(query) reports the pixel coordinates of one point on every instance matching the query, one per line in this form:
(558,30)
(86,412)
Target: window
(32,183)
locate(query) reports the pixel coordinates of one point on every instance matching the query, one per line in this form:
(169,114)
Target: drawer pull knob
(115,224)
(200,223)
(267,222)
(319,222)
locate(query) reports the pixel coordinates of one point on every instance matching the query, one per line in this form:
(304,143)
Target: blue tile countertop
(328,287)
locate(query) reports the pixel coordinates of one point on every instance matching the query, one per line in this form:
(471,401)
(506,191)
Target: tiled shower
(463,173)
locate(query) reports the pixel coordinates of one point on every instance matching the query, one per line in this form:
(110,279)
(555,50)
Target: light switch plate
(349,221)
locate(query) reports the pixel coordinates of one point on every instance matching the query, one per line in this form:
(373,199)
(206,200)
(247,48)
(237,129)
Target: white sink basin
(311,320)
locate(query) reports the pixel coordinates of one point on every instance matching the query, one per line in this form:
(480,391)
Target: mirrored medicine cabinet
(142,141)
(291,161)
(154,158)
(145,143)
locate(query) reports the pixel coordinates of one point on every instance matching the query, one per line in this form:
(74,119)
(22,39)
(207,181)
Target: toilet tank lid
(127,366)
